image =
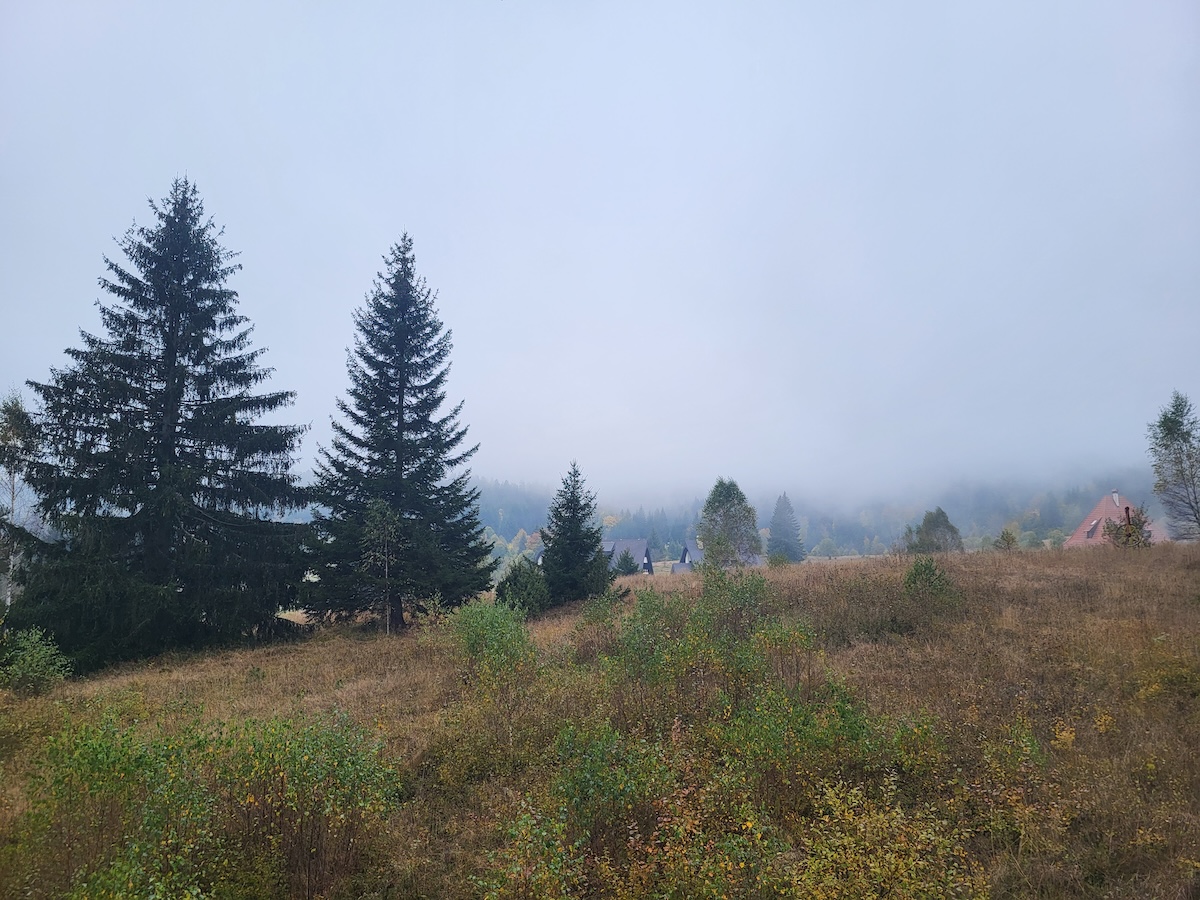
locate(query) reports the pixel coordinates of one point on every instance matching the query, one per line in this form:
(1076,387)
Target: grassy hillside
(1020,725)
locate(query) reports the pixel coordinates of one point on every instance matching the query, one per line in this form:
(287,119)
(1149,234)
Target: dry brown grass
(1097,656)
(1064,686)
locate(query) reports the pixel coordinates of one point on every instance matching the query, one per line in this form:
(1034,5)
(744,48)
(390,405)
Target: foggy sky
(823,248)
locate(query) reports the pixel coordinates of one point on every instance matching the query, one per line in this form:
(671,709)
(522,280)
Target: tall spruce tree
(162,488)
(394,447)
(574,560)
(785,540)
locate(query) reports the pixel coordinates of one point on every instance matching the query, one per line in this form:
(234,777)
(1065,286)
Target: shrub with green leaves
(31,663)
(783,745)
(523,587)
(608,783)
(857,846)
(205,811)
(537,859)
(598,625)
(494,638)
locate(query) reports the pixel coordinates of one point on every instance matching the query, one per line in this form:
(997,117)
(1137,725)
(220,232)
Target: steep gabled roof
(1090,532)
(639,549)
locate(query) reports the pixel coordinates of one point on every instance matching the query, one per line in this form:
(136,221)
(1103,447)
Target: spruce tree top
(164,405)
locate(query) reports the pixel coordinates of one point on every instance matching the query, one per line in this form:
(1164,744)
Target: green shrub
(784,746)
(860,847)
(524,587)
(307,793)
(597,630)
(494,638)
(687,657)
(791,653)
(536,861)
(31,663)
(608,785)
(275,808)
(778,561)
(926,580)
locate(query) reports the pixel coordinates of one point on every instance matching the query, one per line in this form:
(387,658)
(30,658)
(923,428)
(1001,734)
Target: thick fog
(828,248)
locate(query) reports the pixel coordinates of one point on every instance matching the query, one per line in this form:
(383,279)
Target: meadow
(981,725)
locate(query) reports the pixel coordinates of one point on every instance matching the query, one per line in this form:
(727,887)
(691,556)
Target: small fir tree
(574,562)
(626,564)
(380,554)
(395,448)
(524,587)
(152,468)
(784,542)
(1006,542)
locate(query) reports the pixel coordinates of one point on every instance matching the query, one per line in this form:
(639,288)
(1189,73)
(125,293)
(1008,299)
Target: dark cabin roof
(693,555)
(639,549)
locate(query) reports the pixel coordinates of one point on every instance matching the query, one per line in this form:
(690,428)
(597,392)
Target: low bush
(925,580)
(608,784)
(31,663)
(784,746)
(195,813)
(523,587)
(494,639)
(856,846)
(596,632)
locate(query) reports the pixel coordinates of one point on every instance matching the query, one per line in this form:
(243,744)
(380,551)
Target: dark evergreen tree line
(163,496)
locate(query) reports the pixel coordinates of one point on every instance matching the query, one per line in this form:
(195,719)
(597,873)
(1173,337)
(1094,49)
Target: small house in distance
(691,556)
(1090,532)
(638,548)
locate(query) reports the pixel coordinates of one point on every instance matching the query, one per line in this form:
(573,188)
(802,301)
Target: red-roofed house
(1090,532)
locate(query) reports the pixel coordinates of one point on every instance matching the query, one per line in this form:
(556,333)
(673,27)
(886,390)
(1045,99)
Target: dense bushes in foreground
(271,808)
(1005,725)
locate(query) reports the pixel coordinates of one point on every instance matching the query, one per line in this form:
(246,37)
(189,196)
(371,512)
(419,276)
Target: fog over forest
(860,254)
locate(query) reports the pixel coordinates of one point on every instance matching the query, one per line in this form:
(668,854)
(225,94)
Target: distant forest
(1042,515)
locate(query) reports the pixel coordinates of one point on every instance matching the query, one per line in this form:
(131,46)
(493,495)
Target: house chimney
(1116,499)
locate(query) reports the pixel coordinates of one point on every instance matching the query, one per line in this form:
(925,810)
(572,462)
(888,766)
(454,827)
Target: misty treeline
(1038,516)
(513,515)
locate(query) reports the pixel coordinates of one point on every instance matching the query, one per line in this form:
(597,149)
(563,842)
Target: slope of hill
(1005,725)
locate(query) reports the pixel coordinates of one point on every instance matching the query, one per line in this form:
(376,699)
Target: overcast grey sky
(832,248)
